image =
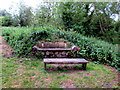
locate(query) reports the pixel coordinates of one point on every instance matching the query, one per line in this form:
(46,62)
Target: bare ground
(5,49)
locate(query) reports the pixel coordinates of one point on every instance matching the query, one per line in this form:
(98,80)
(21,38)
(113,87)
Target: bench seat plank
(64,61)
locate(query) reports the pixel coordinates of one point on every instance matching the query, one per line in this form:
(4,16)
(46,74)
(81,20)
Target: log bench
(59,53)
(65,61)
(55,50)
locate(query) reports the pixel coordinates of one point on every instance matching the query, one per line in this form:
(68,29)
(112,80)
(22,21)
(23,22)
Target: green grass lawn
(31,74)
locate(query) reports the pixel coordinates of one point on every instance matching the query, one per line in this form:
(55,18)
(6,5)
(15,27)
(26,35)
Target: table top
(65,60)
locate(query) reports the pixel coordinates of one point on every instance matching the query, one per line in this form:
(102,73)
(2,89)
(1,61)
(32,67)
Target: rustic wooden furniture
(59,54)
(65,61)
(55,52)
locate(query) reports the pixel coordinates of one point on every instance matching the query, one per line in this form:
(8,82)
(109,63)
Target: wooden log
(63,53)
(47,53)
(56,53)
(43,53)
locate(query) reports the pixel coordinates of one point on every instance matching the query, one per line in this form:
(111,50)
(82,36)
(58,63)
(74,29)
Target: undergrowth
(22,40)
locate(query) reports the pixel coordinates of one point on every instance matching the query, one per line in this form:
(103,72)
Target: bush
(93,49)
(23,39)
(7,21)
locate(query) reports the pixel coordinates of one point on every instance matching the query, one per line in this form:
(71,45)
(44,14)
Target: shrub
(7,21)
(23,39)
(92,49)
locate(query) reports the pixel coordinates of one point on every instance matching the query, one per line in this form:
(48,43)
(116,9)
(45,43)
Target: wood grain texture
(64,61)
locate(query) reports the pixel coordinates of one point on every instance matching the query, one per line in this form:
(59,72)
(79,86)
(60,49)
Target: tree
(91,19)
(103,21)
(25,15)
(15,20)
(3,12)
(6,18)
(44,13)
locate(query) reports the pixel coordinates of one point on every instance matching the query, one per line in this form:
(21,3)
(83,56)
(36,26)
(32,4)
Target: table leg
(45,66)
(84,66)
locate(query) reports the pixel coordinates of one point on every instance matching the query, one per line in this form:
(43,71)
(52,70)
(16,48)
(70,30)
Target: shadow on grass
(64,68)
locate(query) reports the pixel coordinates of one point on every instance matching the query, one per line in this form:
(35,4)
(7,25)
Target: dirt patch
(18,85)
(7,51)
(116,79)
(68,84)
(42,82)
(87,74)
(81,75)
(111,68)
(48,79)
(15,86)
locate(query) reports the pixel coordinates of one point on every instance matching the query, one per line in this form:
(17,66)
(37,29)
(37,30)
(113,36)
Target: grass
(31,74)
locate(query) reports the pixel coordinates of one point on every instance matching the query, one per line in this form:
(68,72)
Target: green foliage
(5,18)
(87,18)
(1,17)
(42,15)
(23,39)
(67,15)
(15,20)
(97,22)
(25,15)
(93,49)
(7,21)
